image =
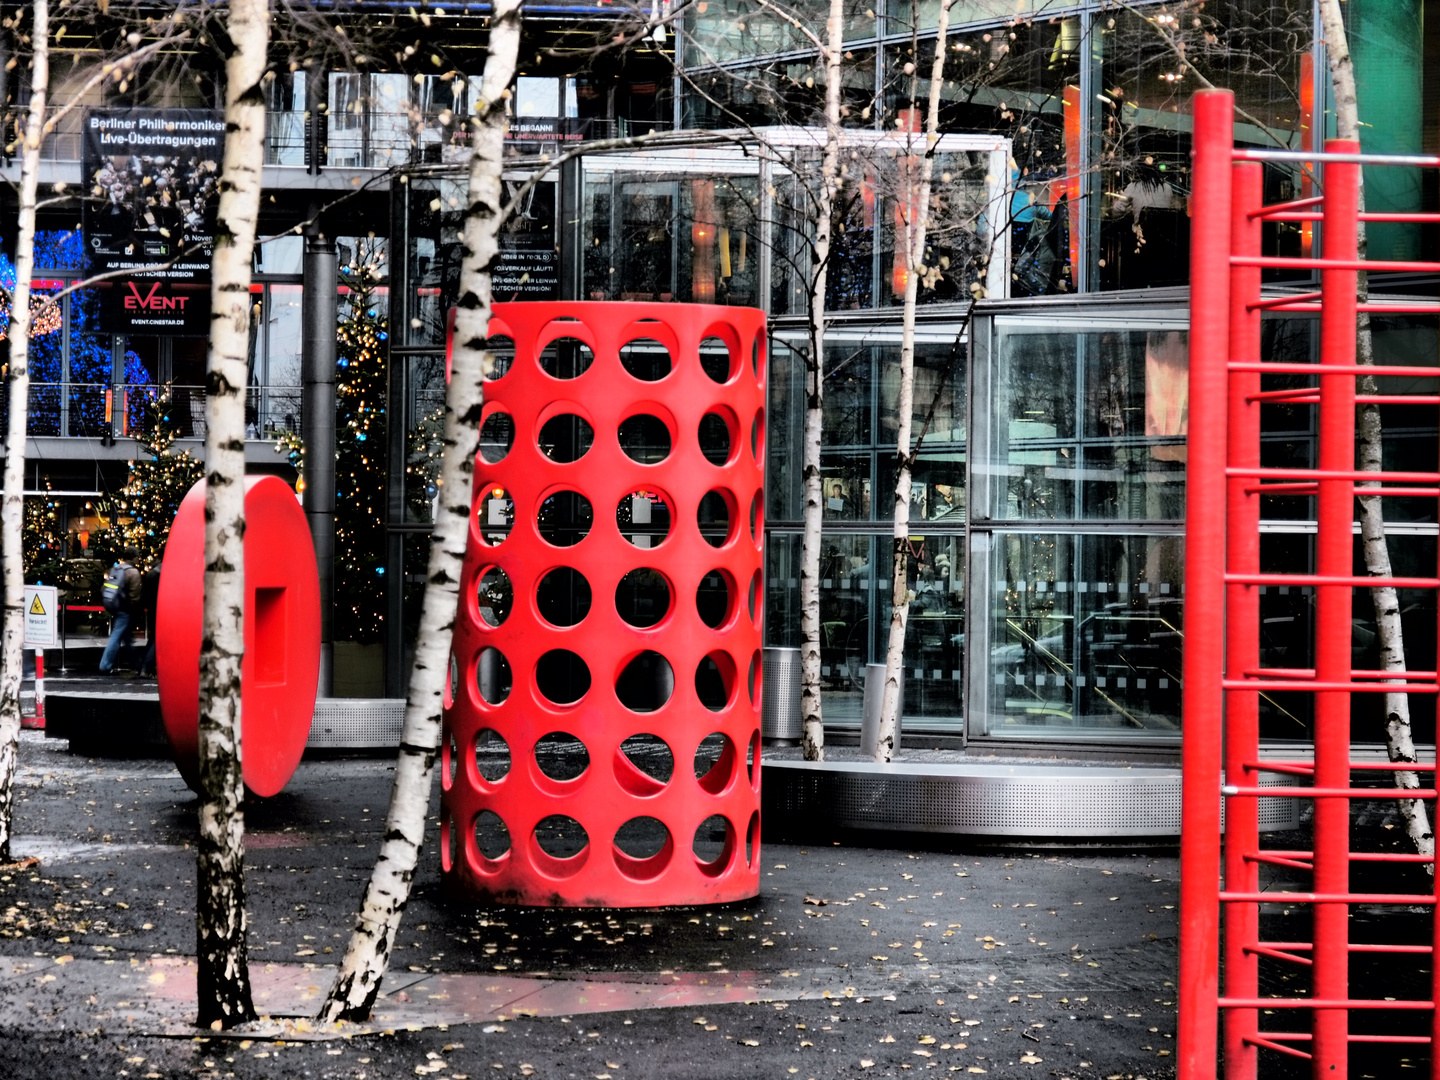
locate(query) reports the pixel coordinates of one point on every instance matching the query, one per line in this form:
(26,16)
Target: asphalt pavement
(868,958)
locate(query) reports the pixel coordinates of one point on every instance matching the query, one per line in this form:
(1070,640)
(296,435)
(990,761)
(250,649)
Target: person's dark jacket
(133,585)
(150,589)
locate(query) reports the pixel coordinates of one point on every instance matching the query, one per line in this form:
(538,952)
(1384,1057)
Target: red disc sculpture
(602,731)
(280,673)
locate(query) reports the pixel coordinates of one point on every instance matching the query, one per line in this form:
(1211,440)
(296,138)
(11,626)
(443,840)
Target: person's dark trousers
(147,665)
(119,638)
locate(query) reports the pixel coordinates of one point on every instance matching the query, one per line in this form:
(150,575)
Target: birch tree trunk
(812,727)
(1399,742)
(368,955)
(12,514)
(223,977)
(914,237)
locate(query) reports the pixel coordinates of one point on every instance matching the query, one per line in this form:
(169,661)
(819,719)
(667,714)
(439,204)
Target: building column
(318,408)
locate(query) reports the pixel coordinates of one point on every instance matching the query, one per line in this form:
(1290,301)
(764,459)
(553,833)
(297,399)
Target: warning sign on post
(41,611)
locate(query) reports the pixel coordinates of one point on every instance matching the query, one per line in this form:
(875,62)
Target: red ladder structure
(1234,1023)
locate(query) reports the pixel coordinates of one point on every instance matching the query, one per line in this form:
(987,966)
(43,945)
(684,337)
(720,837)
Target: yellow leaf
(866,1063)
(1031,1059)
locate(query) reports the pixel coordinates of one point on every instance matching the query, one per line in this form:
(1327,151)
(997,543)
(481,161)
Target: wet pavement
(947,958)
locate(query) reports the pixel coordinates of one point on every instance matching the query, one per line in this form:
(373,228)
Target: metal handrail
(94,409)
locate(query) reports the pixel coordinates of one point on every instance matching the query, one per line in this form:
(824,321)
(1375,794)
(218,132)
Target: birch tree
(913,236)
(26,307)
(12,514)
(812,735)
(1399,741)
(223,971)
(368,955)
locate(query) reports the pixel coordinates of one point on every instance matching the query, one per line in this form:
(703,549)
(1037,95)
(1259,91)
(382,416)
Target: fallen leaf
(866,1063)
(1031,1059)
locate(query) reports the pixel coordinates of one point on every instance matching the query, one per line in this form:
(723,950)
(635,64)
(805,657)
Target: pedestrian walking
(120,594)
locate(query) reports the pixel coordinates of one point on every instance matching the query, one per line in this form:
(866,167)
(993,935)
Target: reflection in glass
(1089,425)
(1086,634)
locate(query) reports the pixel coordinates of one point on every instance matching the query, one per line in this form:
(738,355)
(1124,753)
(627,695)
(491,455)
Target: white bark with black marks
(223,976)
(1375,550)
(366,959)
(12,513)
(812,724)
(916,190)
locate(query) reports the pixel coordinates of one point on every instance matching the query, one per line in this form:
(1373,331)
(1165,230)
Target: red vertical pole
(1202,698)
(1334,556)
(1242,630)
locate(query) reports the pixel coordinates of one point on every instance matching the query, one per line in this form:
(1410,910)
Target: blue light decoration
(62,253)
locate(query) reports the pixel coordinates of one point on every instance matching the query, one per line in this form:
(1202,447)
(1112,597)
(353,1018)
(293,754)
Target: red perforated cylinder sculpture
(602,733)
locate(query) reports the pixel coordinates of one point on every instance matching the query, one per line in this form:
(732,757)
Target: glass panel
(678,230)
(937,488)
(279,404)
(721,30)
(788,91)
(45,415)
(785,434)
(845,488)
(966,11)
(877,195)
(1260,49)
(435,208)
(1115,442)
(1287,633)
(424,422)
(285,119)
(849,389)
(281,255)
(389,128)
(782,590)
(939,392)
(1034,425)
(847,597)
(1018,82)
(934,630)
(1085,635)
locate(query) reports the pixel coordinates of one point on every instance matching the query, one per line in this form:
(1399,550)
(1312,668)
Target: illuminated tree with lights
(145,507)
(360,457)
(44,535)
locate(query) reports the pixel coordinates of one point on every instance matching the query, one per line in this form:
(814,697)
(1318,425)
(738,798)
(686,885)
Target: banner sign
(157,307)
(153,184)
(529,134)
(527,268)
(528,264)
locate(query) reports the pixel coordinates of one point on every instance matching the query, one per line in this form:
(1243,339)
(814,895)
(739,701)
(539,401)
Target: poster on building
(534,134)
(528,267)
(153,185)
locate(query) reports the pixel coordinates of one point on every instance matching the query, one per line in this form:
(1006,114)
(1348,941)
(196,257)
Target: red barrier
(281,669)
(611,604)
(1224,677)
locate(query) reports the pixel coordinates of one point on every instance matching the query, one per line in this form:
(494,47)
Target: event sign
(153,184)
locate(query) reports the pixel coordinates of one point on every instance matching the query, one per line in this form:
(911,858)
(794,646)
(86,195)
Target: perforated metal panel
(990,800)
(356,723)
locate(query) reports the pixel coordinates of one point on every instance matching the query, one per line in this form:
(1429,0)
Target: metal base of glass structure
(1063,802)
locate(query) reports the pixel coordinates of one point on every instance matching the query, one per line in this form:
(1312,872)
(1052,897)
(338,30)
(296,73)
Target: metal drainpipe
(318,406)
